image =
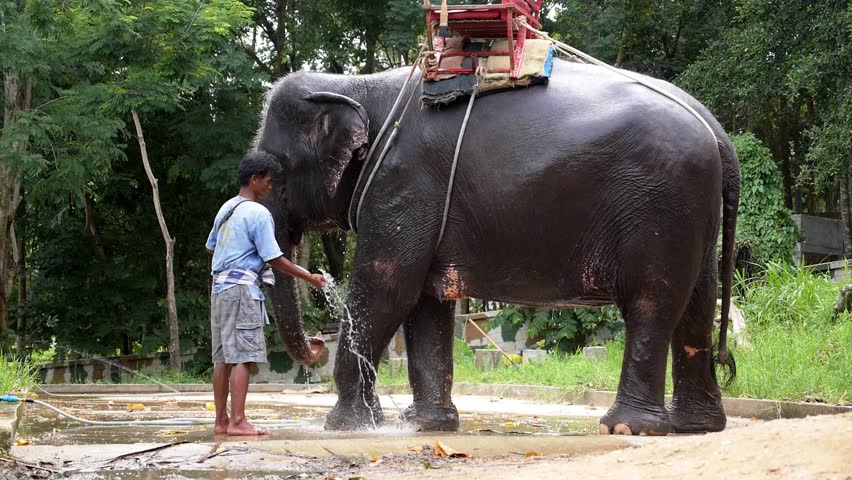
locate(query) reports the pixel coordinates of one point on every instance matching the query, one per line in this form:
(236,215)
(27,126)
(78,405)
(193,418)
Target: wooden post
(174,339)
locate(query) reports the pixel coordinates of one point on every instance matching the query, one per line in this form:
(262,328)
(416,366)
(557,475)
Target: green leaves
(763,220)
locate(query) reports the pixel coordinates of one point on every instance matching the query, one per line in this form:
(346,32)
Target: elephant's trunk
(285,299)
(288,319)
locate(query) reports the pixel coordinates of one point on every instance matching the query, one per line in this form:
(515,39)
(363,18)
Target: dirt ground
(811,448)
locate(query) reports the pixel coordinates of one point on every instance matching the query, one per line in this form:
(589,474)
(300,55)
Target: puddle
(44,427)
(298,449)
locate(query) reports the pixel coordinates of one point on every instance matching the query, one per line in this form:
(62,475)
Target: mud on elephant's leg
(697,402)
(429,342)
(639,404)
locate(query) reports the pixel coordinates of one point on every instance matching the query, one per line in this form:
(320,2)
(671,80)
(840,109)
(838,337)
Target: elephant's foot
(622,419)
(354,417)
(429,418)
(692,416)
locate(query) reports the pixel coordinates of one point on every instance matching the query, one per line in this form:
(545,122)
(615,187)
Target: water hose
(164,422)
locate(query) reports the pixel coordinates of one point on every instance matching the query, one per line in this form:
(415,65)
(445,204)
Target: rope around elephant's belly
(569,50)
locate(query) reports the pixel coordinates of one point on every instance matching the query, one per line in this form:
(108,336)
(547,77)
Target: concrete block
(10,417)
(534,356)
(399,364)
(595,354)
(488,359)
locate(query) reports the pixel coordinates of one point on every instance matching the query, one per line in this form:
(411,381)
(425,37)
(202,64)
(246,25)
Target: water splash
(336,302)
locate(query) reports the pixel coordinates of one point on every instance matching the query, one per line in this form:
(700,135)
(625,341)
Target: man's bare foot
(245,428)
(221,427)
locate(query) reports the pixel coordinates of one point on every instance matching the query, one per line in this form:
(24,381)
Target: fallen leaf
(210,406)
(22,442)
(753,419)
(509,424)
(444,450)
(531,454)
(133,407)
(415,448)
(374,458)
(172,432)
(32,395)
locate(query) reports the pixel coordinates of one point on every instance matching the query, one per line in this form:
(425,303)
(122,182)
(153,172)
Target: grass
(797,350)
(16,375)
(169,377)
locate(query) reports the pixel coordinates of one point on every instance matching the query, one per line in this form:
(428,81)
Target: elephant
(591,190)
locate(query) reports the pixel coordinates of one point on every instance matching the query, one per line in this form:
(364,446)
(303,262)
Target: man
(242,242)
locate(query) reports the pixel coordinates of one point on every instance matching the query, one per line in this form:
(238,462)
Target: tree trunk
(334,246)
(622,52)
(20,261)
(17,96)
(846,207)
(303,259)
(174,339)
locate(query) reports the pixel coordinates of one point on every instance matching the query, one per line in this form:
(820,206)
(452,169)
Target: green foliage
(763,221)
(796,349)
(16,375)
(781,69)
(788,295)
(561,330)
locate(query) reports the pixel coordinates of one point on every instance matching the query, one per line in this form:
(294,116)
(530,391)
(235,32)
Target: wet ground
(491,428)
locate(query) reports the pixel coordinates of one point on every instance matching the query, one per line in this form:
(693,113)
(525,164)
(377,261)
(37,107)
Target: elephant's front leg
(429,343)
(380,296)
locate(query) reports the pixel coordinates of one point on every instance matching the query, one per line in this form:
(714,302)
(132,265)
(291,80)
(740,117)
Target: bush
(763,223)
(561,330)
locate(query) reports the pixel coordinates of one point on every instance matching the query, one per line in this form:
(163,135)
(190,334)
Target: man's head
(256,171)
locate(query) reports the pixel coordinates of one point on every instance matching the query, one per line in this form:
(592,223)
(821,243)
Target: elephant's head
(320,139)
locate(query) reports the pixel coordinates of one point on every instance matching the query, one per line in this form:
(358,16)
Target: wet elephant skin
(589,191)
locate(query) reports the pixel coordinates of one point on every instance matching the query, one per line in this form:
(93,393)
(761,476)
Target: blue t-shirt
(246,241)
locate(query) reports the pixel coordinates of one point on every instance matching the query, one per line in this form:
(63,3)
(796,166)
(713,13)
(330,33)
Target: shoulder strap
(230,212)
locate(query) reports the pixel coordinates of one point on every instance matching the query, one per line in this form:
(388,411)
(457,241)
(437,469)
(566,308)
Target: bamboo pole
(492,343)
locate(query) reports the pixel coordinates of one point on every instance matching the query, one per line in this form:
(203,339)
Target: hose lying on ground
(160,422)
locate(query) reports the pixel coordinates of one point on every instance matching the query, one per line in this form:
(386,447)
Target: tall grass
(16,375)
(796,351)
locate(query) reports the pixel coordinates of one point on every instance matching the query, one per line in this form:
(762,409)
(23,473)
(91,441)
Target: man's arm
(286,266)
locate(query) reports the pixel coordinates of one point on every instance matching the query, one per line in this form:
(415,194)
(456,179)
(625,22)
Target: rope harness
(427,61)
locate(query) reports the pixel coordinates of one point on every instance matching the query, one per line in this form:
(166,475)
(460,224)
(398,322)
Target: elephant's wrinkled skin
(591,190)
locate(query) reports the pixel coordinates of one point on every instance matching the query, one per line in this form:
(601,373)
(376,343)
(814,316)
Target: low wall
(280,368)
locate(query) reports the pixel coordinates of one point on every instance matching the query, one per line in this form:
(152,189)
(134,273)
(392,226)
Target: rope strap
(569,50)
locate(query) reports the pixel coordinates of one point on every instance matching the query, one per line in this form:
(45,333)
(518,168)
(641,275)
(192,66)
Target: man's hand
(317,280)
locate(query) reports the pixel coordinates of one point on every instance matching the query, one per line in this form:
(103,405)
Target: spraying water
(334,296)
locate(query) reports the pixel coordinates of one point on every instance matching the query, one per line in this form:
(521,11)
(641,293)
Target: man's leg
(239,389)
(220,396)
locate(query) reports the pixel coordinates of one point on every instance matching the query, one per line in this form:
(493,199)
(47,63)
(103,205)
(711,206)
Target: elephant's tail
(730,204)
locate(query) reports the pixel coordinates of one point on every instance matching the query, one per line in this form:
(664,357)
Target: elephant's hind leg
(429,342)
(649,316)
(697,402)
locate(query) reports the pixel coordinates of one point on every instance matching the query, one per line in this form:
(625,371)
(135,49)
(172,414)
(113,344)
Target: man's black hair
(257,163)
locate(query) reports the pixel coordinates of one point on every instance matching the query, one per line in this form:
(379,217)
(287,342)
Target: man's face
(261,186)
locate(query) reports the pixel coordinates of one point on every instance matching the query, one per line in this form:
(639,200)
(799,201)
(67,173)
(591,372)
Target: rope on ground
(588,58)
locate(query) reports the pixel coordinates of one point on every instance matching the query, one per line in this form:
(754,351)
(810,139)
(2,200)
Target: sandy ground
(811,448)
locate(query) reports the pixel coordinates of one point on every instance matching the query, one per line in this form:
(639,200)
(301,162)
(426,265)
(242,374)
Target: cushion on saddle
(535,69)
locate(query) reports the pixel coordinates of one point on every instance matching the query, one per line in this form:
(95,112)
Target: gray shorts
(236,324)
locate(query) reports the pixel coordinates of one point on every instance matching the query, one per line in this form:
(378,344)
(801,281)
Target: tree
(781,70)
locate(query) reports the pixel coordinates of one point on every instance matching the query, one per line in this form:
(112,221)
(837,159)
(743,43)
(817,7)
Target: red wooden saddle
(485,22)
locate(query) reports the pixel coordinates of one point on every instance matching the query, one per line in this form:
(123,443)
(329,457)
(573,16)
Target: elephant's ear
(339,135)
